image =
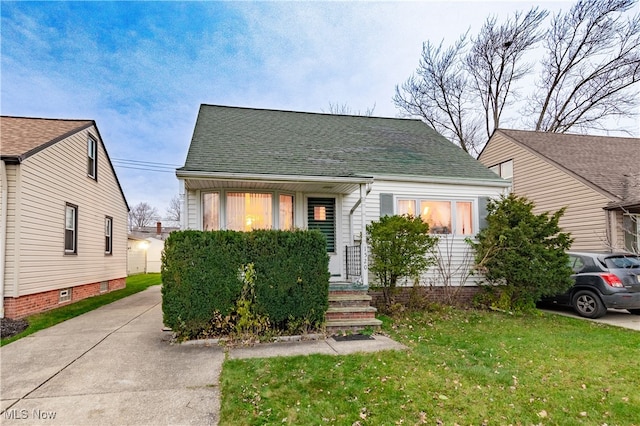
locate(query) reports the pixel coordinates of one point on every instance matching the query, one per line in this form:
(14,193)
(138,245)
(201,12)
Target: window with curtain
(211,211)
(464,215)
(406,207)
(443,216)
(286,212)
(438,215)
(247,211)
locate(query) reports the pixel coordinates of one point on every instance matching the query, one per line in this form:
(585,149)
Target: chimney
(159,228)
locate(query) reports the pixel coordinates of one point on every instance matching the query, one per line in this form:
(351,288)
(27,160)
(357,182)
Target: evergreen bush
(201,284)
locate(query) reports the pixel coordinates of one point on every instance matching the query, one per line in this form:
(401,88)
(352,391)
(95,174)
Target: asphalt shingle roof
(259,141)
(610,163)
(21,137)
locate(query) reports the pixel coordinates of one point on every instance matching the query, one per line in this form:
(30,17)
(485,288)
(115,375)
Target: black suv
(601,281)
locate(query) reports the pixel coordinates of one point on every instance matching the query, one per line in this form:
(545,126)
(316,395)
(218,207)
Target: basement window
(104,286)
(64,295)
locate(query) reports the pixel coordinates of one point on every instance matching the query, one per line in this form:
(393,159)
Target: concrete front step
(351,312)
(345,300)
(340,326)
(347,286)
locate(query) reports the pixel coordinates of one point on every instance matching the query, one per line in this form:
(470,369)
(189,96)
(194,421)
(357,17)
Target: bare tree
(495,61)
(591,66)
(439,93)
(345,109)
(589,73)
(141,215)
(452,84)
(174,209)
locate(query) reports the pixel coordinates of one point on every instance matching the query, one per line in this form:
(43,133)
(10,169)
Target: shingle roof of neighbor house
(610,163)
(259,141)
(22,136)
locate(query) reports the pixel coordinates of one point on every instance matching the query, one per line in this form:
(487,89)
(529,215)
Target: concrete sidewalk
(115,366)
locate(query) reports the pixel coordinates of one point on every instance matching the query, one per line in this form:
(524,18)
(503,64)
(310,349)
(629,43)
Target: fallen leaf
(542,414)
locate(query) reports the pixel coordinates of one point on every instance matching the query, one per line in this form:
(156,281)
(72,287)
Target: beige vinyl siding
(11,245)
(50,179)
(550,188)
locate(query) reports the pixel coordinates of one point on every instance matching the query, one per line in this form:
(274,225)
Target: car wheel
(634,311)
(588,305)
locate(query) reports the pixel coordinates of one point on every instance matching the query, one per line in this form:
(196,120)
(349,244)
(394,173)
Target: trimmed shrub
(200,272)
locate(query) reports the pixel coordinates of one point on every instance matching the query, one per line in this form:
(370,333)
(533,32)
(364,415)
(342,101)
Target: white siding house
(63,215)
(255,168)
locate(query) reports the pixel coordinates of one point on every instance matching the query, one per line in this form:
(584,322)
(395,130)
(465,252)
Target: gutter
(498,182)
(3,230)
(272,178)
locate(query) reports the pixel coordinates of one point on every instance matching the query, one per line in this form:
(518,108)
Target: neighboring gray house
(255,168)
(63,215)
(596,177)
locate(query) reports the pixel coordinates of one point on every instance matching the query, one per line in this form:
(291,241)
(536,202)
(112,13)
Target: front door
(321,215)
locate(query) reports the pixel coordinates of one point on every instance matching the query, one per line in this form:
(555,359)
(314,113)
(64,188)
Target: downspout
(364,271)
(3,230)
(365,189)
(353,209)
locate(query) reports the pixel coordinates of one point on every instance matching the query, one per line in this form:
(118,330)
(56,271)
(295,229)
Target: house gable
(599,161)
(553,183)
(45,173)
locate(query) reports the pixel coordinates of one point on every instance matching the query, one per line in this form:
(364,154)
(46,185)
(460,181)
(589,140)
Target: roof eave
(498,182)
(186,174)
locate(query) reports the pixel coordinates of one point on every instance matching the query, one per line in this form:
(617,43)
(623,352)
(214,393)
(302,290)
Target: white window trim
(499,168)
(65,295)
(108,233)
(74,208)
(92,154)
(453,201)
(222,214)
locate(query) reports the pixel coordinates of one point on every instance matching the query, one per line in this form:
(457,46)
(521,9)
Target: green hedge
(200,276)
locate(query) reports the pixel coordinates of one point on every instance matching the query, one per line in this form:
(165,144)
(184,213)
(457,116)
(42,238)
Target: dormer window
(92,158)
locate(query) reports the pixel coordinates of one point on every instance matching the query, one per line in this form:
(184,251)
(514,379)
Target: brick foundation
(416,296)
(20,307)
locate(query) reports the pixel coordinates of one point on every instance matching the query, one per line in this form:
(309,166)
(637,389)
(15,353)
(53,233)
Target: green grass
(135,284)
(462,367)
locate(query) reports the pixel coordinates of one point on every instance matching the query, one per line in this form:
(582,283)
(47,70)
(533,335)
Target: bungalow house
(63,215)
(256,168)
(596,177)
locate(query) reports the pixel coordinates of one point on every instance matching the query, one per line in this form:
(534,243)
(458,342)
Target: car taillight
(612,280)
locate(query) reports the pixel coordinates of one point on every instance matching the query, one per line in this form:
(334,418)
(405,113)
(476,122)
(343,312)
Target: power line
(124,160)
(148,169)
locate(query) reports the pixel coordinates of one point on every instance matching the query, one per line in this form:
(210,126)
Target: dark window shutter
(482,212)
(386,205)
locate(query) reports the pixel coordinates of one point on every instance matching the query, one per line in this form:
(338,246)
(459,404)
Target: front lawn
(135,283)
(462,367)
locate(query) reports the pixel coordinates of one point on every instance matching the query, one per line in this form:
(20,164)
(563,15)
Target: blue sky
(142,69)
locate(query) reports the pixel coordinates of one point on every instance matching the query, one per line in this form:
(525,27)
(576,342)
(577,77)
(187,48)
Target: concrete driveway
(111,366)
(114,366)
(615,317)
